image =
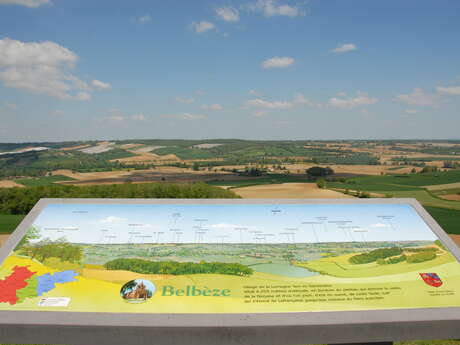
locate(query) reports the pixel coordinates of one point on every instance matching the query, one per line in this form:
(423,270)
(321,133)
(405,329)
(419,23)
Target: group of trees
(374,255)
(177,268)
(46,248)
(421,257)
(21,200)
(384,256)
(319,171)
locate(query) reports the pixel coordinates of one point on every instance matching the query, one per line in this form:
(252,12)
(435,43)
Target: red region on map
(14,282)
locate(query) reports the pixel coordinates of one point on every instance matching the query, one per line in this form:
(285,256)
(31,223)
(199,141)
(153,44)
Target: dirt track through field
(9,184)
(454,197)
(288,190)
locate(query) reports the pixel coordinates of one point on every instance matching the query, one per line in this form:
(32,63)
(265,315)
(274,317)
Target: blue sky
(254,69)
(131,223)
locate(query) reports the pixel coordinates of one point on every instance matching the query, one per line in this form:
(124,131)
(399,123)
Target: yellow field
(287,190)
(405,290)
(121,276)
(340,267)
(9,184)
(443,186)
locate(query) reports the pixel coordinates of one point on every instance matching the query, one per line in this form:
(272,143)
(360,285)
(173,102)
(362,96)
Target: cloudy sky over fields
(254,69)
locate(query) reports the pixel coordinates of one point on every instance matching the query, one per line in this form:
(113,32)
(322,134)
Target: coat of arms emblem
(431,279)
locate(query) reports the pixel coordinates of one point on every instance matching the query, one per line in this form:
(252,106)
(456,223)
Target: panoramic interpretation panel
(228,258)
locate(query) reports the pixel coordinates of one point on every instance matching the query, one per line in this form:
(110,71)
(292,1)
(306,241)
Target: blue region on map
(47,281)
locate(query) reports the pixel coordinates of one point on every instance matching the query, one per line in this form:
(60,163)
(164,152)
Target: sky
(250,223)
(249,69)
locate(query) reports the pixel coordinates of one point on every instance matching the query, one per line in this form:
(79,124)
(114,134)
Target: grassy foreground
(9,222)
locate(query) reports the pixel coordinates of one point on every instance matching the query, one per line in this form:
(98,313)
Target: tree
(429,169)
(317,171)
(32,233)
(321,183)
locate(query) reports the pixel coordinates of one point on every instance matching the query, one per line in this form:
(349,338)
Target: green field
(448,219)
(446,212)
(184,152)
(42,181)
(9,222)
(340,267)
(398,182)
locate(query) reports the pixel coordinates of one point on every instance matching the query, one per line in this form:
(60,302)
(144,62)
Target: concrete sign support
(174,271)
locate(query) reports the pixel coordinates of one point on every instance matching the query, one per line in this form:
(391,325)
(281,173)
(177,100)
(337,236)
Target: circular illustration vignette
(137,291)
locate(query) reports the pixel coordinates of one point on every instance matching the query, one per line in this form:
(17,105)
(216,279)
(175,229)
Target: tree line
(374,255)
(21,200)
(178,268)
(394,255)
(46,248)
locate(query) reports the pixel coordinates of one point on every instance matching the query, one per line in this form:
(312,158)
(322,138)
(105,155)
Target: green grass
(398,182)
(9,222)
(42,181)
(428,342)
(446,191)
(340,267)
(425,198)
(448,219)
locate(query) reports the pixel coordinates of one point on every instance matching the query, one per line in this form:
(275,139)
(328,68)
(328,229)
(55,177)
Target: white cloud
(144,19)
(229,14)
(420,98)
(448,90)
(115,118)
(82,96)
(185,100)
(27,3)
(138,117)
(380,225)
(270,8)
(100,85)
(299,99)
(203,26)
(212,107)
(254,93)
(112,219)
(259,113)
(344,48)
(186,116)
(260,103)
(200,92)
(349,103)
(41,68)
(410,111)
(277,62)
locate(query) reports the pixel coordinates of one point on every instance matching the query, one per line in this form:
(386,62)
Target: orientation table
(228,271)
